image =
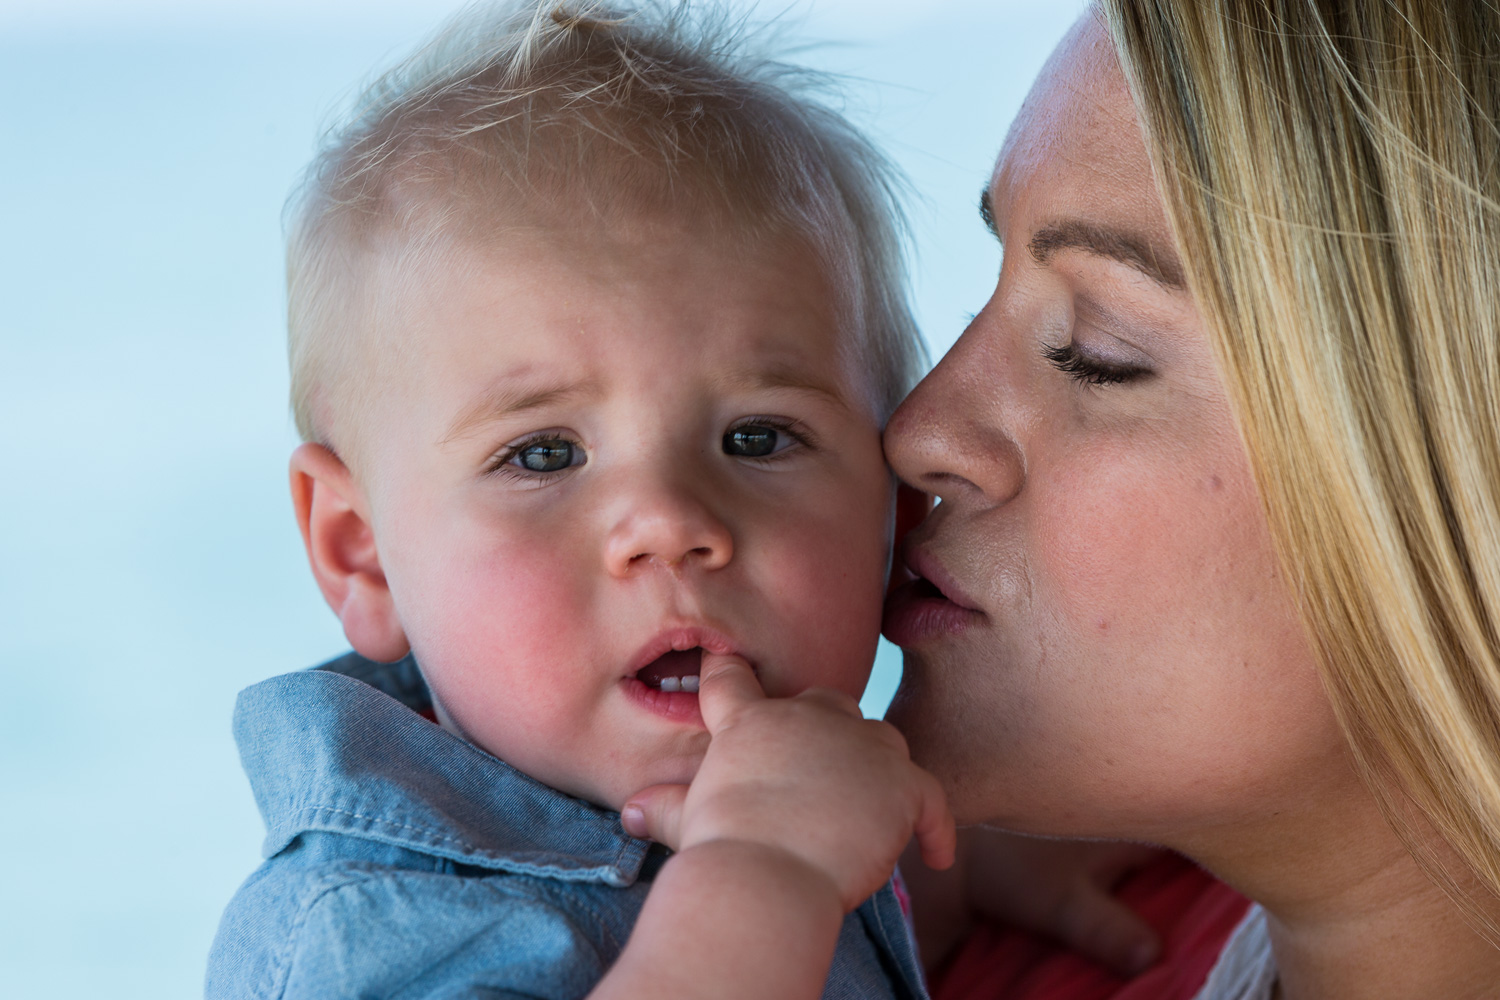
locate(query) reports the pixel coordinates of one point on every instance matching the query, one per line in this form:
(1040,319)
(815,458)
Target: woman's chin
(942,745)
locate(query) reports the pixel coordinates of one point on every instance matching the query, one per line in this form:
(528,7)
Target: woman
(1217,558)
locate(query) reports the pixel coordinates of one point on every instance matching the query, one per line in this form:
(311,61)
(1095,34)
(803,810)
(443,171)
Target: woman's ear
(340,541)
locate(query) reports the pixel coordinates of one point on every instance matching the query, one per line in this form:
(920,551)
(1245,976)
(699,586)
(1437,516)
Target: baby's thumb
(655,813)
(725,684)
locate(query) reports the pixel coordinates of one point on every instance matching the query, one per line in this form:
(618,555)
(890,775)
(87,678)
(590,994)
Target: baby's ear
(335,523)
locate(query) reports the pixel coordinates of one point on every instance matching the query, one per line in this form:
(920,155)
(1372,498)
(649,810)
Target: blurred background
(149,565)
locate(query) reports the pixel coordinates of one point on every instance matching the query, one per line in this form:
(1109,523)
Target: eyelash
(501,465)
(791,428)
(1089,371)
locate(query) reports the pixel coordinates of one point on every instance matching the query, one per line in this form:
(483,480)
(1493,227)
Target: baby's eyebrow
(506,399)
(781,377)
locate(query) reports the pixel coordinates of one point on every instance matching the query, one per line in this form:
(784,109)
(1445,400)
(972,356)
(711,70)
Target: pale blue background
(149,567)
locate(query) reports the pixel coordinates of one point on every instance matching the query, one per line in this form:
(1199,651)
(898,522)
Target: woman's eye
(751,441)
(551,455)
(1091,371)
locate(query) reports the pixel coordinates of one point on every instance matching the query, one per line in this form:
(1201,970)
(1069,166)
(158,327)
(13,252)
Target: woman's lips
(928,606)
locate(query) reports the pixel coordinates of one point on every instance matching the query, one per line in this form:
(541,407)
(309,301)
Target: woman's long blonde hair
(1332,173)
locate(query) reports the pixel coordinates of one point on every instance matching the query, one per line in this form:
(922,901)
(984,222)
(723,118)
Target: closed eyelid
(1092,369)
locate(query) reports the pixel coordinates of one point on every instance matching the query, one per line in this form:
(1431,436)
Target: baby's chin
(679,771)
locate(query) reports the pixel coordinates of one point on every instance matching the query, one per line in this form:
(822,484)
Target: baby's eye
(751,441)
(547,455)
(759,439)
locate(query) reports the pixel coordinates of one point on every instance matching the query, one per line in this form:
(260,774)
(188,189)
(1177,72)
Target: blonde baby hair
(586,110)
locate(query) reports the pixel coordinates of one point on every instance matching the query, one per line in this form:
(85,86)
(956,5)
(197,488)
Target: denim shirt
(403,861)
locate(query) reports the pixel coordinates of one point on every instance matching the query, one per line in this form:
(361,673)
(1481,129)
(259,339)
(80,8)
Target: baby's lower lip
(674,706)
(674,670)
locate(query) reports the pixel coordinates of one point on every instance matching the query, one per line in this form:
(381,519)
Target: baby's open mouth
(676,670)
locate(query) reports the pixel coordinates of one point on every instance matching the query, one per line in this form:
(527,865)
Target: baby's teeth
(690,683)
(671,684)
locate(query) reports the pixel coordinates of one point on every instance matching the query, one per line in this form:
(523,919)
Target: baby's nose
(670,529)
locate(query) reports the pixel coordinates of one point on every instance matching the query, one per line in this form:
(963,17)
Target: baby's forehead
(697,296)
(455,288)
(666,111)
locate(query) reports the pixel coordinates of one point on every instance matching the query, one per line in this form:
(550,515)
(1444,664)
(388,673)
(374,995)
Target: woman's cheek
(1138,537)
(1171,615)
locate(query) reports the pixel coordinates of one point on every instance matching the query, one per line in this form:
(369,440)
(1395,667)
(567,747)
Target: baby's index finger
(725,683)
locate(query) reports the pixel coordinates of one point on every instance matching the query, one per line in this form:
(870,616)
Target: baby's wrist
(782,876)
(746,918)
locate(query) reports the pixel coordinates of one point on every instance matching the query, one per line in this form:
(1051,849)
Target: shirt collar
(325,751)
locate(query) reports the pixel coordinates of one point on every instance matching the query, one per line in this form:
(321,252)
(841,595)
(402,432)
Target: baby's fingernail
(633,819)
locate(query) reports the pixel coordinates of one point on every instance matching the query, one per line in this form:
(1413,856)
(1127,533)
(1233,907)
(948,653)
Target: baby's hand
(806,776)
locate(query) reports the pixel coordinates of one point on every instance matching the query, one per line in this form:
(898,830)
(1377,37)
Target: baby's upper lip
(926,566)
(679,638)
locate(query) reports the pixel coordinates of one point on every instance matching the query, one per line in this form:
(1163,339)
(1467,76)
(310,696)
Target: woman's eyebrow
(1133,250)
(987,213)
(1157,263)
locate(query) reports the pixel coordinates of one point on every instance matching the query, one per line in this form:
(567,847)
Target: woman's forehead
(1076,148)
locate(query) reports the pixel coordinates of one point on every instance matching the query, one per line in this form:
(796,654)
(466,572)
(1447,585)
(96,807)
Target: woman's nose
(670,527)
(953,436)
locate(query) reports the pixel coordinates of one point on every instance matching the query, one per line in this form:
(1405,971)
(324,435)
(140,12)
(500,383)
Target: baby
(594,323)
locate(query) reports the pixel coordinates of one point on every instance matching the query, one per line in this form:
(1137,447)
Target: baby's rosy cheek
(489,605)
(829,584)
